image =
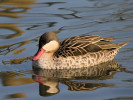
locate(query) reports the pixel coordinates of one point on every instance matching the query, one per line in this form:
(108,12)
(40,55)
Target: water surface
(22,23)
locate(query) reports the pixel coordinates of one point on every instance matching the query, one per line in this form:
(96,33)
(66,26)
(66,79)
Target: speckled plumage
(79,51)
(100,70)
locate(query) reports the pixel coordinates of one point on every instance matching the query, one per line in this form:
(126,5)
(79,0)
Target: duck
(74,52)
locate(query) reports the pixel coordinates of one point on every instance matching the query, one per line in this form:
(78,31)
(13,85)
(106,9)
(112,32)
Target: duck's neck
(45,61)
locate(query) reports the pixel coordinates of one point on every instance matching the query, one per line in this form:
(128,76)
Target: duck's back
(81,45)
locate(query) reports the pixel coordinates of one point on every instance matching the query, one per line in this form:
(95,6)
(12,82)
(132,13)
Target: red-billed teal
(75,52)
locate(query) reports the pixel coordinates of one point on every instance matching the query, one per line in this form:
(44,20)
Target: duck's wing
(80,45)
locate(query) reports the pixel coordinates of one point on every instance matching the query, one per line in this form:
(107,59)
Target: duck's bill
(38,54)
(37,78)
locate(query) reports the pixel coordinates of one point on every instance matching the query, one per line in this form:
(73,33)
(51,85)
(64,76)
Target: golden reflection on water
(10,78)
(9,5)
(16,78)
(13,9)
(5,49)
(17,95)
(16,61)
(13,27)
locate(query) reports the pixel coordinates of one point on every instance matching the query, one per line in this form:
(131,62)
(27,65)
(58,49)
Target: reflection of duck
(48,86)
(49,78)
(75,52)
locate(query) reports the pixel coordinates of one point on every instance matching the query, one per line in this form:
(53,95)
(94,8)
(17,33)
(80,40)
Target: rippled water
(23,21)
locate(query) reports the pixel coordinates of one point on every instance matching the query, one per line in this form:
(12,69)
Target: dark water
(23,21)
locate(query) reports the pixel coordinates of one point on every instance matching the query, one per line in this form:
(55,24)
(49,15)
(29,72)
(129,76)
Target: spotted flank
(75,52)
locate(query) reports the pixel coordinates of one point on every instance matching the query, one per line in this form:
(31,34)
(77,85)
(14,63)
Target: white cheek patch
(51,46)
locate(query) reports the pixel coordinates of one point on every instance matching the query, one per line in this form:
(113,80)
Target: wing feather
(83,44)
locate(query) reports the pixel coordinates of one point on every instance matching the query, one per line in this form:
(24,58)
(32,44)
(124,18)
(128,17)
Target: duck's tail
(123,44)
